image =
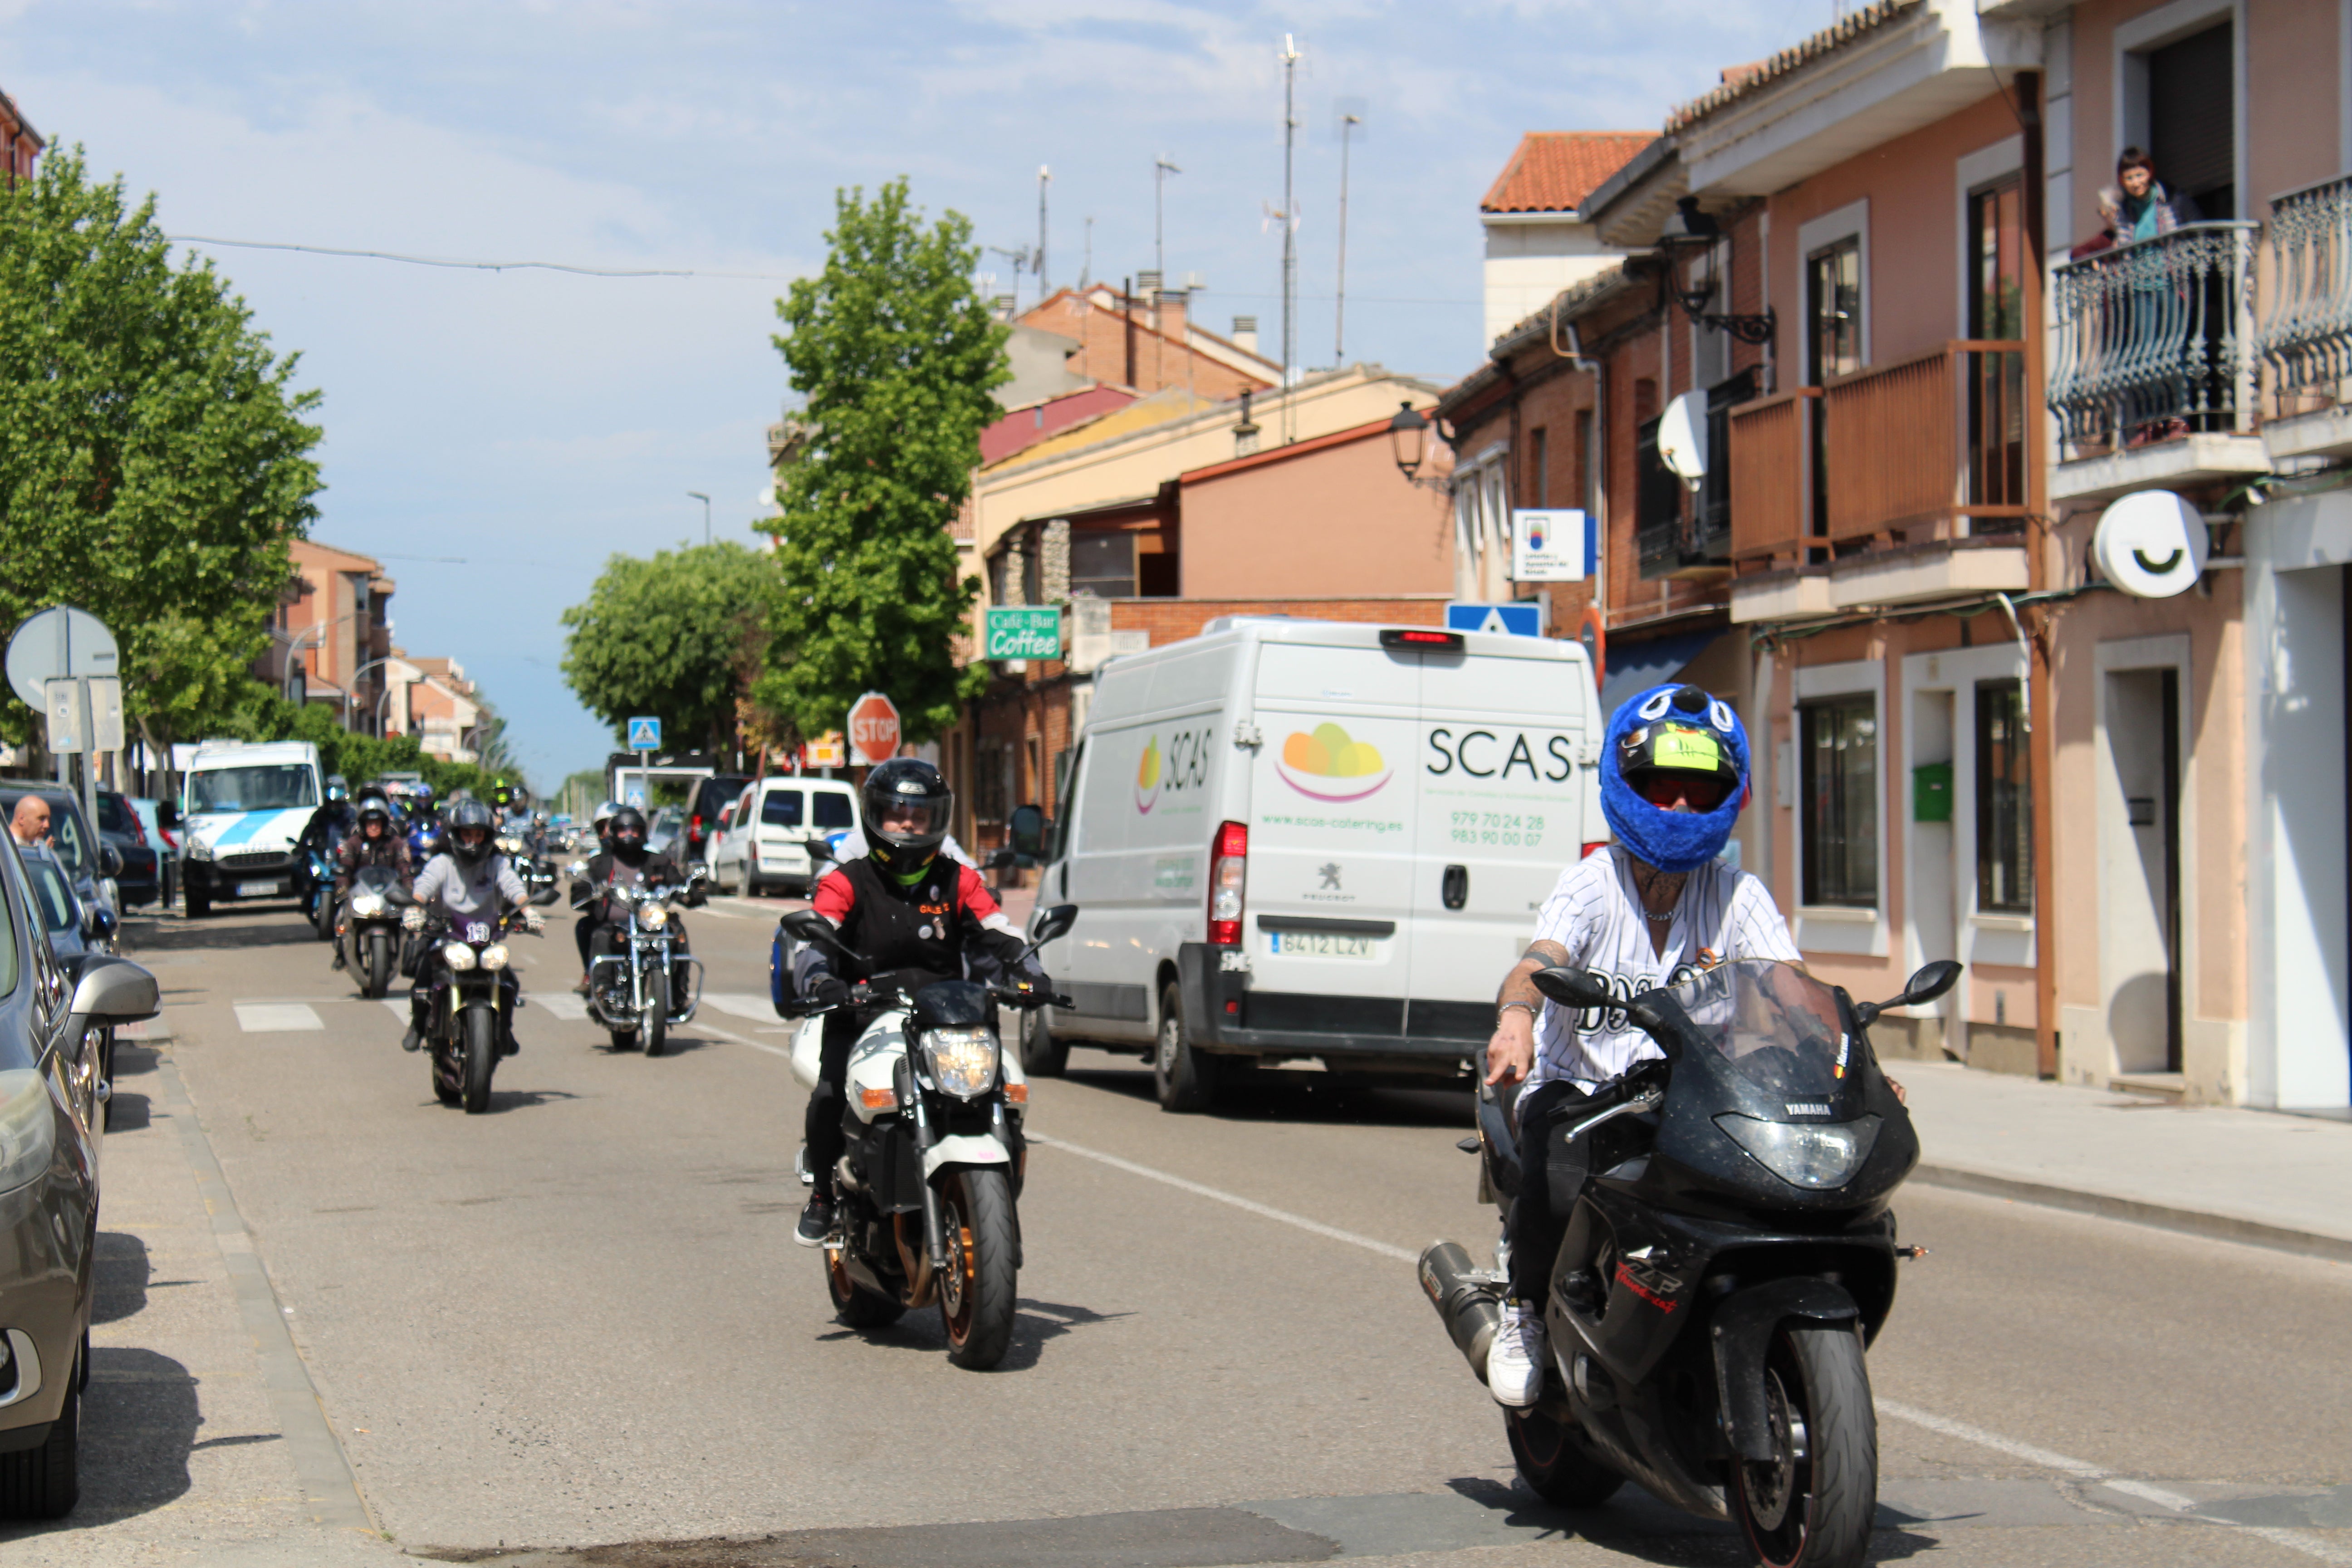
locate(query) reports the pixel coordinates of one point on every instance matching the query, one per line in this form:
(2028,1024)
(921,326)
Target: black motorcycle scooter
(1730,1255)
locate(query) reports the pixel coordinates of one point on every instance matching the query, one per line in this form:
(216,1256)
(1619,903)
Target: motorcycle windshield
(1778,1027)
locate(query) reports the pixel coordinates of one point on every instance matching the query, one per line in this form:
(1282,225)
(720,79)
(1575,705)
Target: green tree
(154,460)
(665,637)
(263,714)
(896,354)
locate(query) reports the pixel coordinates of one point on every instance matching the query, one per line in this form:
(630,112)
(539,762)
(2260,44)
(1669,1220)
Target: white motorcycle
(926,1187)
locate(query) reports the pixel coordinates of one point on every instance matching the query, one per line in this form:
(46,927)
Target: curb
(2191,1222)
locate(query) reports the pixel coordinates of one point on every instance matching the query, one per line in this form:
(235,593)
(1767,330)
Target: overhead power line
(472,266)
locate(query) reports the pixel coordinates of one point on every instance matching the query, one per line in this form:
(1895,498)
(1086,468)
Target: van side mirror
(1026,828)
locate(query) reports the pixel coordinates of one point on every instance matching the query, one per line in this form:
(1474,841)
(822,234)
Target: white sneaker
(1515,1362)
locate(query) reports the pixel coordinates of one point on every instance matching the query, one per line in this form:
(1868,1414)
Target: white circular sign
(2151,544)
(58,643)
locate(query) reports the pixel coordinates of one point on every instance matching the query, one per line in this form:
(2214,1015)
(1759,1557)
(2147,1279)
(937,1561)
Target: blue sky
(494,436)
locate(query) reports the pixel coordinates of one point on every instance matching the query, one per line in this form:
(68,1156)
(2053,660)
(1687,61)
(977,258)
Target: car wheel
(1041,1055)
(46,1482)
(1184,1075)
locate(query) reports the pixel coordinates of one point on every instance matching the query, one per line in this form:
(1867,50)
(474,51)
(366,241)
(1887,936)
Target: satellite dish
(1682,436)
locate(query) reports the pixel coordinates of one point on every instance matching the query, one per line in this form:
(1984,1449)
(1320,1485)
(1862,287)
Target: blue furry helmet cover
(1671,840)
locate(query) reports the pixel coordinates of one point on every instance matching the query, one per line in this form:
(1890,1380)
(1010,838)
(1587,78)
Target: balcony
(2306,335)
(2153,380)
(1681,531)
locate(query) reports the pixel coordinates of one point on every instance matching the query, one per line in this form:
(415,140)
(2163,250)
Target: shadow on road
(183,935)
(1033,1323)
(1307,1097)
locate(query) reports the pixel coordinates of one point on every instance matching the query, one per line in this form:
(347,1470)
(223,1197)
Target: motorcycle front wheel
(481,1058)
(1809,1505)
(652,1024)
(322,916)
(379,964)
(977,1289)
(1552,1463)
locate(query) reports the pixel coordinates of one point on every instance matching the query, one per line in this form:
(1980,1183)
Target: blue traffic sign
(644,735)
(1506,620)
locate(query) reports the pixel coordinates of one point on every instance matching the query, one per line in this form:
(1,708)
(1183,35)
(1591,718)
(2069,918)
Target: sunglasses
(1704,793)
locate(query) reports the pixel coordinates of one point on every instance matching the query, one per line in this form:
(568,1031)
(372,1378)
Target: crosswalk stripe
(562,1005)
(750,1004)
(275,1018)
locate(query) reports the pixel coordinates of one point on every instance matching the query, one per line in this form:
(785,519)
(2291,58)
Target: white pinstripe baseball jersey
(1595,913)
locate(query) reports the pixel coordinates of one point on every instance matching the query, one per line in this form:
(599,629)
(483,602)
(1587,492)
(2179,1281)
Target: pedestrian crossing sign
(644,735)
(1520,620)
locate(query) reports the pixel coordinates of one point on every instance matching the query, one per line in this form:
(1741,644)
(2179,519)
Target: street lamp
(705,500)
(1693,233)
(350,689)
(1409,445)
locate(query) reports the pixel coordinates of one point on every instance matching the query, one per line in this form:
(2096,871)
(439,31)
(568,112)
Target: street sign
(827,750)
(644,735)
(1024,632)
(1506,620)
(1550,546)
(58,642)
(873,730)
(61,701)
(105,713)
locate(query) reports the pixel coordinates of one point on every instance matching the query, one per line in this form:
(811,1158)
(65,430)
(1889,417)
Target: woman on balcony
(2137,206)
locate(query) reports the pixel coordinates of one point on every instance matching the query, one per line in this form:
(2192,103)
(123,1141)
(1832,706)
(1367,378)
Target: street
(579,1320)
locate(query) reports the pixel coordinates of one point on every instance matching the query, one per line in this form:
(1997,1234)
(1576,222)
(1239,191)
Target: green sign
(1026,632)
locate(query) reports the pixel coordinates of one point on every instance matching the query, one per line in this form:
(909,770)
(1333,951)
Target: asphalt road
(579,1322)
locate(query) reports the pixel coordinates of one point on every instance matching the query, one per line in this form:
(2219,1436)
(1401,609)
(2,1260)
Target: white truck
(1292,839)
(243,808)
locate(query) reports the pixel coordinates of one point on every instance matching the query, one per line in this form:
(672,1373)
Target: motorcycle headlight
(367,905)
(456,955)
(1817,1154)
(28,1129)
(654,915)
(495,956)
(962,1061)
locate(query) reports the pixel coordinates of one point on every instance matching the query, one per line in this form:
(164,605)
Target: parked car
(73,928)
(762,848)
(118,824)
(51,1106)
(711,796)
(161,821)
(89,859)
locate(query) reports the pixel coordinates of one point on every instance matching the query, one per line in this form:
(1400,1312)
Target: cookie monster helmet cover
(1702,734)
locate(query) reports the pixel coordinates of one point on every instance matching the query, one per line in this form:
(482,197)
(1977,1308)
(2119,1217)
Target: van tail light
(1228,876)
(1596,844)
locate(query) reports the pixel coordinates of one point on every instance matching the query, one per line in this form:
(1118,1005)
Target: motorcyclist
(468,881)
(1654,905)
(374,842)
(331,823)
(914,918)
(584,931)
(624,862)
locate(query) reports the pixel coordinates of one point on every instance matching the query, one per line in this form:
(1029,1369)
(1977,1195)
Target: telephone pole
(1290,227)
(1347,122)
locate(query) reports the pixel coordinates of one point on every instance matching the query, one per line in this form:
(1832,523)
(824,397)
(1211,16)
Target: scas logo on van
(1182,766)
(1328,764)
(1147,777)
(1486,754)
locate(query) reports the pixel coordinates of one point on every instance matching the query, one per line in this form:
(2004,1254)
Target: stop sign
(873,730)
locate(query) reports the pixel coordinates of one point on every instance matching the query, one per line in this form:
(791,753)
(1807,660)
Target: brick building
(19,143)
(332,632)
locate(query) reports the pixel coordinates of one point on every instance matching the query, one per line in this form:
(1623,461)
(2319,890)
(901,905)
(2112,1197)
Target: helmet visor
(1673,790)
(907,821)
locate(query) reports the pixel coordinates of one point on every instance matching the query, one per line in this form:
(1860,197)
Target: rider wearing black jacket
(626,861)
(914,919)
(374,842)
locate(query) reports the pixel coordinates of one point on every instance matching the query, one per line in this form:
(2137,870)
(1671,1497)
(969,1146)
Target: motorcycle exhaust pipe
(1468,1304)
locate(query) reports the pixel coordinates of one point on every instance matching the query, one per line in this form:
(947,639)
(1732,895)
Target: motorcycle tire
(1183,1077)
(379,964)
(1812,1506)
(481,1059)
(854,1306)
(652,1024)
(624,1039)
(1041,1055)
(978,1288)
(323,918)
(1554,1464)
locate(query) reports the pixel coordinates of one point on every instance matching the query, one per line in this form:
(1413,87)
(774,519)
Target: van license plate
(258,889)
(1322,944)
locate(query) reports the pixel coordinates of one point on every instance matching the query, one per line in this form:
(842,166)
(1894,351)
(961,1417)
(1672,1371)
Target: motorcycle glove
(412,918)
(534,922)
(828,991)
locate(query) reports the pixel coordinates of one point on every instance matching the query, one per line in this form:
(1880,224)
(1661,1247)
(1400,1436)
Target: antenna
(1086,267)
(1161,169)
(1289,223)
(1044,178)
(1350,116)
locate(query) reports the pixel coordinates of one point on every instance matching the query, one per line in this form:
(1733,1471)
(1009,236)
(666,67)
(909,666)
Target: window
(782,808)
(1103,564)
(2004,801)
(834,811)
(1997,311)
(1840,768)
(2193,118)
(1833,300)
(989,784)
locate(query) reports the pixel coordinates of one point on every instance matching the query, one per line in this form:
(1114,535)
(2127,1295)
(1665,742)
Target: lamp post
(1409,445)
(1693,233)
(705,500)
(352,690)
(294,655)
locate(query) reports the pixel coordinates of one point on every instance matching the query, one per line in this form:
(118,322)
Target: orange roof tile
(1553,170)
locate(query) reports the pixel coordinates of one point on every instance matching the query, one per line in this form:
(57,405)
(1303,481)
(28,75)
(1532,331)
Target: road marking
(783,1051)
(749,1004)
(275,1018)
(2303,1541)
(563,1006)
(1235,1199)
(399,1009)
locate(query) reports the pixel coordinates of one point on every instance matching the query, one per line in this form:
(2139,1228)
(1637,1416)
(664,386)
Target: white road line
(399,1009)
(783,1051)
(275,1018)
(562,1005)
(2305,1542)
(750,1004)
(1235,1199)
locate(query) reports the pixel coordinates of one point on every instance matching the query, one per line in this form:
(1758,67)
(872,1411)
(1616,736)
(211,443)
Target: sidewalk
(2244,1175)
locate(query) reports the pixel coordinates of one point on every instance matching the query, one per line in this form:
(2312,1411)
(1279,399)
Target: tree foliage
(665,637)
(262,714)
(896,354)
(154,459)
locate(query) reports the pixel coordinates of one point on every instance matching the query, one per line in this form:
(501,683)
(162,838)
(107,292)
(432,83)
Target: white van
(766,827)
(1308,839)
(244,808)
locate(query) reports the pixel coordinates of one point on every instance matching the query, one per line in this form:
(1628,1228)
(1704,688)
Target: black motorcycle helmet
(626,834)
(468,831)
(905,804)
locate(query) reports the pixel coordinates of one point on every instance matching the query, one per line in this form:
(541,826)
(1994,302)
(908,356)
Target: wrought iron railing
(2306,334)
(2155,339)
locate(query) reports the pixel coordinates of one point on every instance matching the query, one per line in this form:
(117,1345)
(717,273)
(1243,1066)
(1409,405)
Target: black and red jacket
(910,935)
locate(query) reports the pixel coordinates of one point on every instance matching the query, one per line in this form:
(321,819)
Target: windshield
(1775,1024)
(52,900)
(269,787)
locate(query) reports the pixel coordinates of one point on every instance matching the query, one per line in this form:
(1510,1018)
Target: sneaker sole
(810,1240)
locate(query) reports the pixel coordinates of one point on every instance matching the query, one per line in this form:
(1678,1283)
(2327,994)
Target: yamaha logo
(1809,1110)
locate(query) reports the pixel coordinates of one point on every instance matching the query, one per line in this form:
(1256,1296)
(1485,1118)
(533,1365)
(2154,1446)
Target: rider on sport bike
(915,918)
(374,842)
(626,861)
(468,880)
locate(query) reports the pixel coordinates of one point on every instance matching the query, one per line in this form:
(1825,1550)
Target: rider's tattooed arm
(1518,986)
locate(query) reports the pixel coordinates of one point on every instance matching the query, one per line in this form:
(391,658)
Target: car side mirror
(1026,828)
(109,990)
(1578,988)
(1053,922)
(110,860)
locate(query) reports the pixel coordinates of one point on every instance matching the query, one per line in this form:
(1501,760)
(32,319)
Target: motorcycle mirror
(1054,923)
(808,926)
(1002,860)
(543,896)
(819,849)
(1931,982)
(1578,988)
(398,896)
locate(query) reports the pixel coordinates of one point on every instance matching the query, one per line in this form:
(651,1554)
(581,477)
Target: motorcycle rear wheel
(978,1289)
(652,1024)
(379,964)
(1812,1506)
(1554,1465)
(853,1304)
(481,1058)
